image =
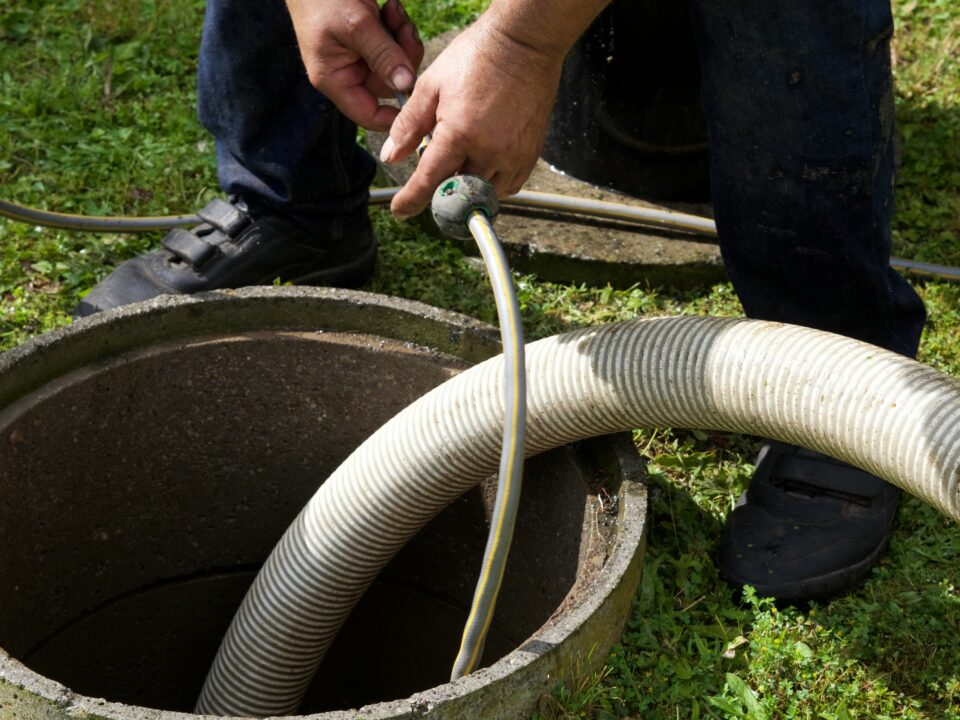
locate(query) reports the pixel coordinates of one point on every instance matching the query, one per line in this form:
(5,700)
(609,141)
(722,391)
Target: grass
(97,116)
(928,112)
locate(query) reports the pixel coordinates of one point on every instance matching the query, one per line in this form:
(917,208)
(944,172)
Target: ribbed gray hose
(883,412)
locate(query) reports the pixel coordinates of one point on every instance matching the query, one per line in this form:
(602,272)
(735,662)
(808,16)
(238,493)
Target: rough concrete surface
(570,249)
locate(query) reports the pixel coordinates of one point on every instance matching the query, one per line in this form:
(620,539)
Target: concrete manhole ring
(153,455)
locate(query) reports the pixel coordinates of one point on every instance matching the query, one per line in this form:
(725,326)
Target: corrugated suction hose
(880,411)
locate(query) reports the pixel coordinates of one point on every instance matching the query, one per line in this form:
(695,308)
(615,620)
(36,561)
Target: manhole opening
(144,493)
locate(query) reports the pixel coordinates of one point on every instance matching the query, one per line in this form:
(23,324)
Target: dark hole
(145,495)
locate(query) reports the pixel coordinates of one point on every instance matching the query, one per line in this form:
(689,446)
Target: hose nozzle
(457,198)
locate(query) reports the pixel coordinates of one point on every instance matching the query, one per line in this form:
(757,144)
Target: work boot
(238,245)
(808,527)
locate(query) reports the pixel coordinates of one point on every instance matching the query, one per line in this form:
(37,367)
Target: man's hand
(355,53)
(487,100)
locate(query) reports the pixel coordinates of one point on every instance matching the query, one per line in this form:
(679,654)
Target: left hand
(487,101)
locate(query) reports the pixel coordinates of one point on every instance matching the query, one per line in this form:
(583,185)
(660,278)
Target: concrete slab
(570,249)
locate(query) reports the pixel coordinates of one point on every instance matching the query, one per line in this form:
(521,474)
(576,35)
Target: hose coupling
(457,198)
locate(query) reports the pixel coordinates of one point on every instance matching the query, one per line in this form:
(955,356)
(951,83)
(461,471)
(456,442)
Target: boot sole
(822,587)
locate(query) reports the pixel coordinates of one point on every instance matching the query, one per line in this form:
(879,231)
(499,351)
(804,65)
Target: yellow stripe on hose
(484,600)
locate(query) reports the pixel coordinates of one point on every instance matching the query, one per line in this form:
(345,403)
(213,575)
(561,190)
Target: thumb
(381,52)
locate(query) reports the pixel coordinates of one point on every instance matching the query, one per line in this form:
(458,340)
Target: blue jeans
(279,141)
(799,102)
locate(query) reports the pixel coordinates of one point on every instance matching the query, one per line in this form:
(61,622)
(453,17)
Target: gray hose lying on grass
(880,411)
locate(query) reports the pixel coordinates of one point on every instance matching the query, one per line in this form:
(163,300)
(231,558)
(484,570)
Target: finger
(408,38)
(415,121)
(364,33)
(505,183)
(403,29)
(440,160)
(393,15)
(405,33)
(509,182)
(501,183)
(378,87)
(478,169)
(358,103)
(379,120)
(356,73)
(516,184)
(383,118)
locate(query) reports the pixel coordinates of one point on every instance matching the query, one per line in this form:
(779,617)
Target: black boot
(808,527)
(238,246)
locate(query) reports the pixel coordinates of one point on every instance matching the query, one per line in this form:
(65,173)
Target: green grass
(436,16)
(97,115)
(928,112)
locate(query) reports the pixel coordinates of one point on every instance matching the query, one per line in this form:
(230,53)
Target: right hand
(356,53)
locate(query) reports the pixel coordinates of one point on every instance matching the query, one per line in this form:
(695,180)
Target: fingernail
(386,152)
(402,79)
(401,10)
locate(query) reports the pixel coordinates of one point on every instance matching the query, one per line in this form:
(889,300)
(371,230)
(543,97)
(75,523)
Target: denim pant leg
(279,141)
(799,102)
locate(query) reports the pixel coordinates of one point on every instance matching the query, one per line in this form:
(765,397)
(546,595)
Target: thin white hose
(510,480)
(880,411)
(380,196)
